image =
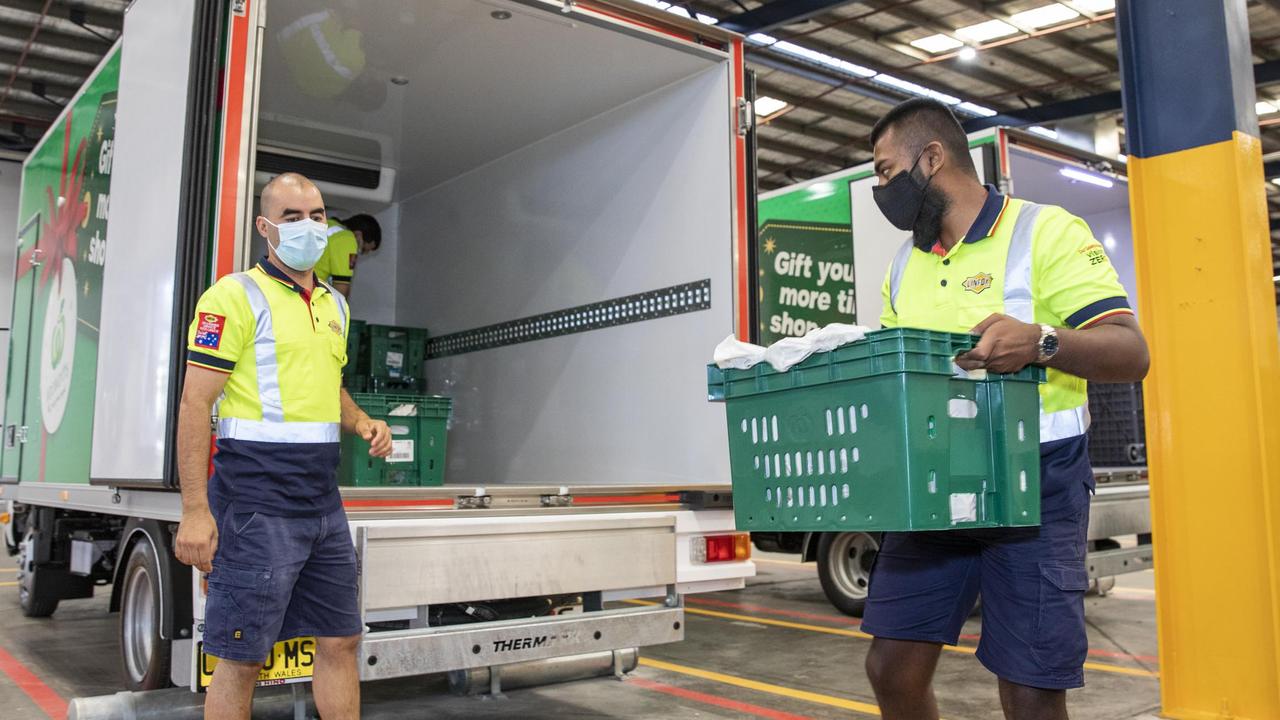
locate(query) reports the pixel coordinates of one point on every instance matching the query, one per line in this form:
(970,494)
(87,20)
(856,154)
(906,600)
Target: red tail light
(722,548)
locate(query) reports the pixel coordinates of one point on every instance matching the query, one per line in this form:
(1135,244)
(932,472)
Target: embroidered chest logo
(209,330)
(334,326)
(977,283)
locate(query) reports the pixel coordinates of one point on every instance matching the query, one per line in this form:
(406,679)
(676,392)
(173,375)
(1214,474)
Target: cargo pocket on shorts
(1061,644)
(233,616)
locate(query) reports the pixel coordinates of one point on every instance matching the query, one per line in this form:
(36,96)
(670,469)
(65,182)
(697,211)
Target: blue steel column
(1213,398)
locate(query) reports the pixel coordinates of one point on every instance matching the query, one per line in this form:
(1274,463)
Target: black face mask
(901,198)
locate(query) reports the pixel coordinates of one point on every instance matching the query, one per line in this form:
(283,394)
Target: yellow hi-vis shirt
(279,416)
(338,263)
(1037,263)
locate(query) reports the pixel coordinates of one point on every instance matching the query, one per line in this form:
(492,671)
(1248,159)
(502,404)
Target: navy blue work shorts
(276,578)
(1032,581)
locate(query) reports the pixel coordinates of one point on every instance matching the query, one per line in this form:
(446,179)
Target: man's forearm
(351,413)
(1109,353)
(193,455)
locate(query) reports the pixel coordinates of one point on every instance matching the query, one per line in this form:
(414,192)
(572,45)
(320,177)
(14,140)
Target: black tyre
(844,568)
(36,597)
(144,655)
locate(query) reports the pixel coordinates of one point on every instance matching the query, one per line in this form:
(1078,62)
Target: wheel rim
(139,622)
(25,575)
(854,554)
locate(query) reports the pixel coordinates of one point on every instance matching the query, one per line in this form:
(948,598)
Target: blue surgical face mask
(302,242)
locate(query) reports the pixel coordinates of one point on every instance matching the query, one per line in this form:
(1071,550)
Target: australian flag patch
(209,330)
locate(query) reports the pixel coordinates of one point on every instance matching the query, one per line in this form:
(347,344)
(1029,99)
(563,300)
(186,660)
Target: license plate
(291,661)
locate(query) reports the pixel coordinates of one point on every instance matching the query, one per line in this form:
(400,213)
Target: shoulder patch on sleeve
(209,330)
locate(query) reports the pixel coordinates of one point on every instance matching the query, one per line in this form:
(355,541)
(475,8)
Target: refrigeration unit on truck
(566,204)
(824,249)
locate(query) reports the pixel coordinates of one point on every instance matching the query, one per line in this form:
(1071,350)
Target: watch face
(1049,345)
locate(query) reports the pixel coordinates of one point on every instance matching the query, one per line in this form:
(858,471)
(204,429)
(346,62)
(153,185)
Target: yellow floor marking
(1136,590)
(736,681)
(13,583)
(958,649)
(8,570)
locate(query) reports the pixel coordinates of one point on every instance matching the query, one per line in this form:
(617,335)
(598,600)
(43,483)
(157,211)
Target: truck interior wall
(633,200)
(10,185)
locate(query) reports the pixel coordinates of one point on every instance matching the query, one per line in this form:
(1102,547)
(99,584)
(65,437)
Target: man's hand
(1007,345)
(197,539)
(377,434)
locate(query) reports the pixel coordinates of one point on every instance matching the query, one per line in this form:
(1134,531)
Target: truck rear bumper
(402,653)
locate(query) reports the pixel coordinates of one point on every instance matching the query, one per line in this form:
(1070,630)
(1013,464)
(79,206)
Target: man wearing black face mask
(1035,284)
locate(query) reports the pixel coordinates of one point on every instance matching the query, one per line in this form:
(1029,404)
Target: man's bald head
(291,191)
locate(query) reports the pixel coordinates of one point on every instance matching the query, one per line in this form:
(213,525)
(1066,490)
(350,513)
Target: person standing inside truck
(1035,284)
(268,527)
(348,239)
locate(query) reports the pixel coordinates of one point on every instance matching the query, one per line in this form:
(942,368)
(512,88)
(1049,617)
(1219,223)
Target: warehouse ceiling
(832,66)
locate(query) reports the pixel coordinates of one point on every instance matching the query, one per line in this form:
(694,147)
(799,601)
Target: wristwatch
(1048,345)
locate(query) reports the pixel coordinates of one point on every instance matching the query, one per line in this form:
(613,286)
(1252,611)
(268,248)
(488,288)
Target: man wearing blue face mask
(268,345)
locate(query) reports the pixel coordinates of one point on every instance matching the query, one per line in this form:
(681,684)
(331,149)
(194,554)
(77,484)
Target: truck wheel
(144,654)
(34,597)
(844,569)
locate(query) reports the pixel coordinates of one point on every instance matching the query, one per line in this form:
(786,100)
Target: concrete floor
(774,650)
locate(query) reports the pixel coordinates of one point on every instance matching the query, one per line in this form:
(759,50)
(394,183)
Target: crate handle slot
(962,408)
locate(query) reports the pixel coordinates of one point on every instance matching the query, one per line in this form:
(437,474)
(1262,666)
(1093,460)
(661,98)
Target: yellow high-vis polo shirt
(278,419)
(338,263)
(1037,263)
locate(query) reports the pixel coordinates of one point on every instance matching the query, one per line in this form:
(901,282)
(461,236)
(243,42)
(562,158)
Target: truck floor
(774,650)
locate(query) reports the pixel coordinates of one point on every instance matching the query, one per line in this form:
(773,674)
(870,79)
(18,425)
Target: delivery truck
(566,203)
(824,249)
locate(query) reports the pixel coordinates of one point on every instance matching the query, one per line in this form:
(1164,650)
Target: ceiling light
(766,106)
(1082,176)
(1094,6)
(1264,108)
(1044,16)
(1275,181)
(814,56)
(913,89)
(500,15)
(967,53)
(988,30)
(936,43)
(975,109)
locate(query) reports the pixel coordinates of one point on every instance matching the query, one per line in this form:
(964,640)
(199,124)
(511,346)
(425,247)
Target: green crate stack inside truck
(386,377)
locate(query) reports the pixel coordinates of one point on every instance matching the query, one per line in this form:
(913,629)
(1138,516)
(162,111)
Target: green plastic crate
(357,338)
(881,435)
(394,352)
(419,431)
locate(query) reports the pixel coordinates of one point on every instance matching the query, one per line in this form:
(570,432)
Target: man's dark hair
(921,121)
(369,229)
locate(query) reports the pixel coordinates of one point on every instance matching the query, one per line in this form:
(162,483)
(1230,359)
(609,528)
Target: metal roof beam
(1092,54)
(804,153)
(813,130)
(75,74)
(822,105)
(101,14)
(778,13)
(85,51)
(1263,74)
(1029,62)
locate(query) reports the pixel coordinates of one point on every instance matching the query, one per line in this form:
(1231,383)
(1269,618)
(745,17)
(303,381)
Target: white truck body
(574,172)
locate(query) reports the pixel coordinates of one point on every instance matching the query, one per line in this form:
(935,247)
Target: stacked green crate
(419,431)
(882,434)
(385,358)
